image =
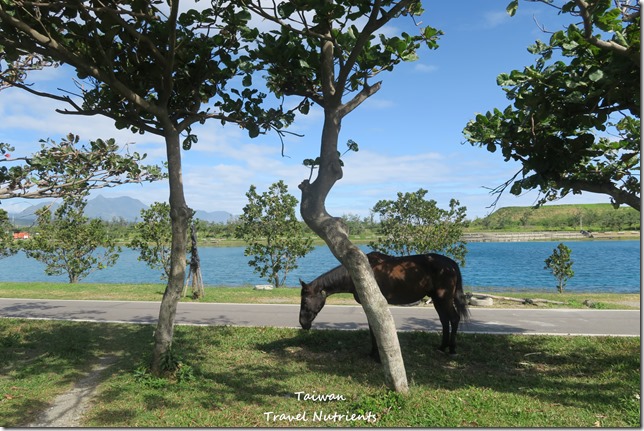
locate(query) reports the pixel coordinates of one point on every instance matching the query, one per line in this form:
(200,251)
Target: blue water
(600,266)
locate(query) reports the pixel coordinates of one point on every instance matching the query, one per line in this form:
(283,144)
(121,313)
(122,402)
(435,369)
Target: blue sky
(409,133)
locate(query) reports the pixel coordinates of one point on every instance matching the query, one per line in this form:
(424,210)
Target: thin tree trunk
(333,231)
(179,215)
(194,275)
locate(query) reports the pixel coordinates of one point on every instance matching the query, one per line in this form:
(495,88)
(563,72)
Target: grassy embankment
(154,292)
(234,376)
(590,217)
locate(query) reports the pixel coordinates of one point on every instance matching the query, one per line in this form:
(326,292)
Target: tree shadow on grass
(60,353)
(567,372)
(247,366)
(217,370)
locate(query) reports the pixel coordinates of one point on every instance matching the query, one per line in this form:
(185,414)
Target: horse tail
(460,300)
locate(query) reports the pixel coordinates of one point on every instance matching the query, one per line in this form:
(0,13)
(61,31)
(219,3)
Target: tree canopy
(67,242)
(153,236)
(275,238)
(574,124)
(68,167)
(413,225)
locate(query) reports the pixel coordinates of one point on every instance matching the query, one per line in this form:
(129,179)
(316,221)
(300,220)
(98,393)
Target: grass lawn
(236,376)
(154,292)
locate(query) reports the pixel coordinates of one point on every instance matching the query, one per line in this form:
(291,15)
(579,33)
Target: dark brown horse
(402,280)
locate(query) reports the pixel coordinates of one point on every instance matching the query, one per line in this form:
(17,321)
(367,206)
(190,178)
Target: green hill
(591,217)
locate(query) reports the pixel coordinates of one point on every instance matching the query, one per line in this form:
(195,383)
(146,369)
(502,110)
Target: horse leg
(444,318)
(454,319)
(375,354)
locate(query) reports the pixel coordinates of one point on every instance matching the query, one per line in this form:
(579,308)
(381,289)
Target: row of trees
(409,225)
(69,243)
(154,68)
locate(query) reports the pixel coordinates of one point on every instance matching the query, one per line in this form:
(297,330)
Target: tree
(150,68)
(67,168)
(68,242)
(561,265)
(413,225)
(153,237)
(273,235)
(575,120)
(324,52)
(7,246)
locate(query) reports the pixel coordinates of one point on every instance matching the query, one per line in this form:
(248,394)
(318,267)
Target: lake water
(600,266)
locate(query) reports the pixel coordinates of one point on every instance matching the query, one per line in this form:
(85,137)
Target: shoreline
(476,236)
(549,236)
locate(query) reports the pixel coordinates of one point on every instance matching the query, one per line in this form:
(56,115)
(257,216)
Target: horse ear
(304,285)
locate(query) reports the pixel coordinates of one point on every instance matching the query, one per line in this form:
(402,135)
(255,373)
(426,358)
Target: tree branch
(618,195)
(588,31)
(49,45)
(366,92)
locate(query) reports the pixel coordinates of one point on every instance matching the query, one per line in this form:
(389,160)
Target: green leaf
(304,107)
(596,75)
(512,7)
(253,130)
(516,188)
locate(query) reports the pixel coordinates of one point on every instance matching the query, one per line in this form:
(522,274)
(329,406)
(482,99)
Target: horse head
(312,302)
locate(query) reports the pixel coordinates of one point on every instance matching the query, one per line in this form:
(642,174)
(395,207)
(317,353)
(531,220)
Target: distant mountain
(108,209)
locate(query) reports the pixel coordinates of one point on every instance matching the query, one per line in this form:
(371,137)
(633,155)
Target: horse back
(407,279)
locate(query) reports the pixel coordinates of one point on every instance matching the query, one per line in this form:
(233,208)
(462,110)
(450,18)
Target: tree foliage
(69,168)
(275,238)
(575,120)
(413,225)
(68,243)
(7,246)
(142,64)
(153,237)
(561,265)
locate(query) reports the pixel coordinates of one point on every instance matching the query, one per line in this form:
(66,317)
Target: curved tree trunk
(334,232)
(179,215)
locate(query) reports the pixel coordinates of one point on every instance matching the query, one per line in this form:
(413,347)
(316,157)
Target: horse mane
(332,280)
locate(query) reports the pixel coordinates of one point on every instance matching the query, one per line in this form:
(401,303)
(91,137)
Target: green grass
(233,376)
(154,292)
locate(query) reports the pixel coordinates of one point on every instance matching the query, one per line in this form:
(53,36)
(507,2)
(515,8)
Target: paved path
(492,320)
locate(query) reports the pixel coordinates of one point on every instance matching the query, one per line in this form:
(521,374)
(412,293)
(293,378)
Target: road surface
(483,320)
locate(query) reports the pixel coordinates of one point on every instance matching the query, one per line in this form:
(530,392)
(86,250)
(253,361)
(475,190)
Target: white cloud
(495,18)
(425,68)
